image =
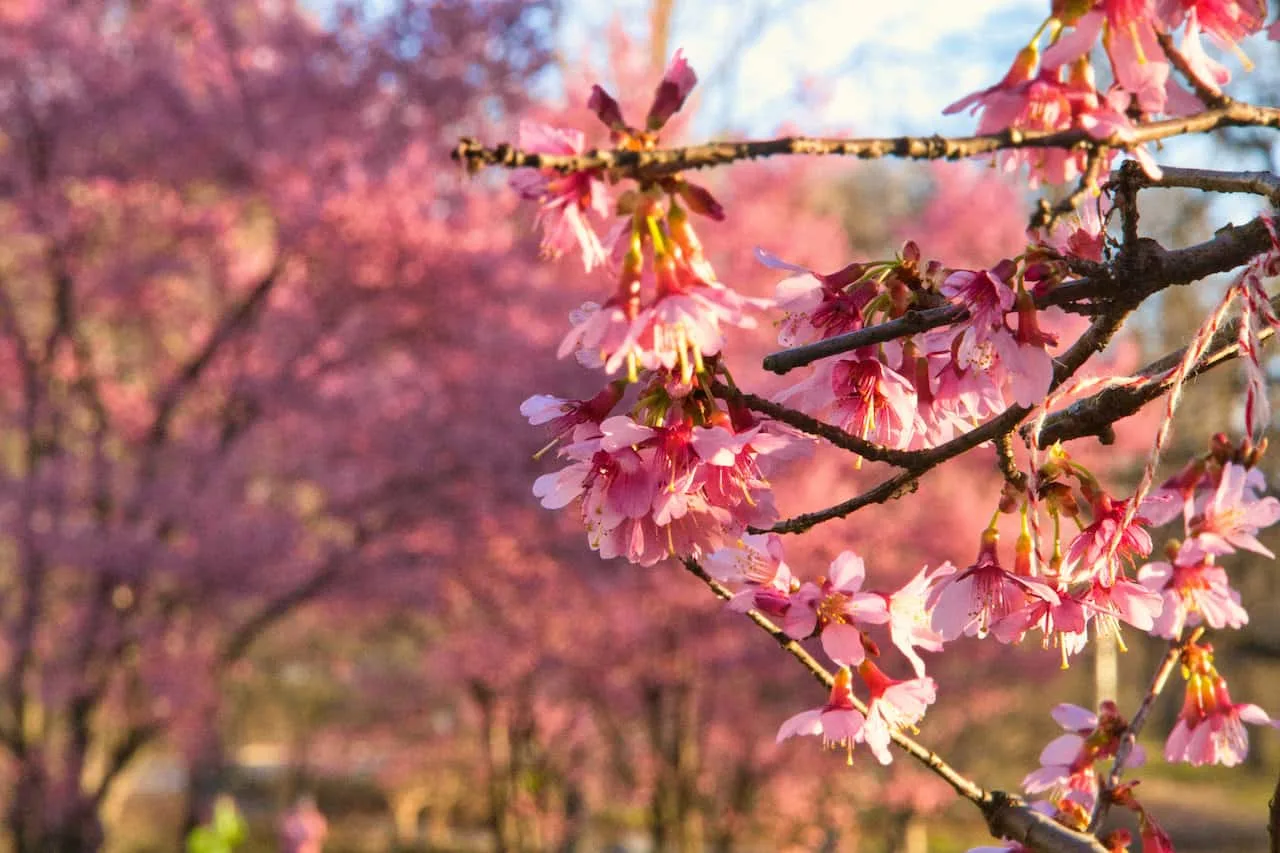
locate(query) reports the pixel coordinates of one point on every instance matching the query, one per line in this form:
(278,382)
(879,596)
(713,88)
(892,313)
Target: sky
(851,67)
(878,68)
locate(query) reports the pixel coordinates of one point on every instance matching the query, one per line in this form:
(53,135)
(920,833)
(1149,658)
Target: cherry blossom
(1231,518)
(1090,553)
(838,722)
(835,605)
(909,619)
(1195,591)
(873,401)
(575,419)
(756,562)
(563,200)
(895,705)
(970,601)
(1210,728)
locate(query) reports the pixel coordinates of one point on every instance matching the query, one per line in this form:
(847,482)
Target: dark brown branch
(282,605)
(1130,737)
(1093,341)
(666,161)
(910,323)
(813,426)
(891,489)
(122,754)
(230,324)
(1047,214)
(1095,415)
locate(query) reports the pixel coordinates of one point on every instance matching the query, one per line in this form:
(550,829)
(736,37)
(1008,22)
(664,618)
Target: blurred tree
(229,254)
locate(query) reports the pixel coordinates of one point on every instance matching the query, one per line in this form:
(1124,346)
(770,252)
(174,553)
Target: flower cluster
(922,390)
(1068,765)
(1210,728)
(1219,498)
(1055,89)
(894,705)
(680,486)
(679,473)
(837,610)
(1069,778)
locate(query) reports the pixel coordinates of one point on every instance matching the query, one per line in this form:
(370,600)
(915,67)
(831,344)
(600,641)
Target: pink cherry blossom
(984,293)
(756,562)
(652,492)
(873,401)
(1175,495)
(909,620)
(579,419)
(1089,554)
(563,200)
(1210,729)
(1123,600)
(838,722)
(1027,369)
(817,305)
(598,335)
(1139,63)
(1227,21)
(1068,765)
(970,601)
(1195,591)
(1231,518)
(1063,624)
(895,705)
(1079,235)
(681,327)
(835,606)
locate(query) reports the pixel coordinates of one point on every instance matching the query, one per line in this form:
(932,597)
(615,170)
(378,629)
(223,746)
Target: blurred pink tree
(230,266)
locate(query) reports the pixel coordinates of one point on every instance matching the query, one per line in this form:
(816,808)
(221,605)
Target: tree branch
(657,163)
(1265,184)
(1152,268)
(811,425)
(1094,340)
(1130,737)
(284,604)
(1094,415)
(190,373)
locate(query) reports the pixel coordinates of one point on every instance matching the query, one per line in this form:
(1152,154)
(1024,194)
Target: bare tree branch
(657,163)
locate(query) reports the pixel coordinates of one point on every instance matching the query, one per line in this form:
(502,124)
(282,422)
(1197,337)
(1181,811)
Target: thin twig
(1047,214)
(1007,465)
(1093,341)
(1095,414)
(659,162)
(1208,94)
(913,322)
(1130,737)
(1265,184)
(811,425)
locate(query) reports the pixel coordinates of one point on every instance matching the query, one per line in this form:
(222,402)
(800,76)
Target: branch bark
(657,163)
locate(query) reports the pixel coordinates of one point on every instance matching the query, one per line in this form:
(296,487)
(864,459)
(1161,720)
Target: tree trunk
(497,747)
